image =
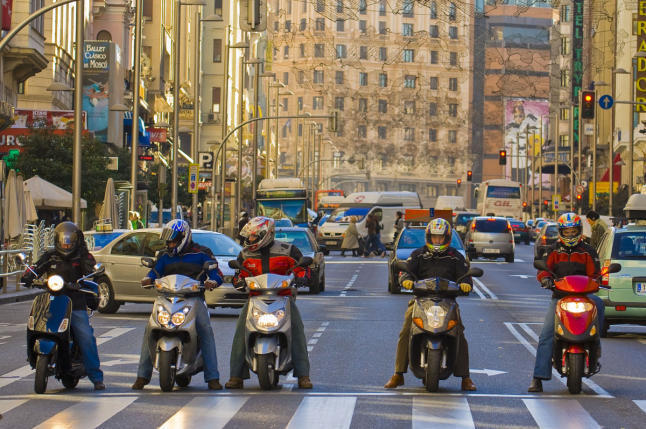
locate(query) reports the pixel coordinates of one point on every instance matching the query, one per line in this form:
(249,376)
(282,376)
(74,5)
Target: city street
(352,330)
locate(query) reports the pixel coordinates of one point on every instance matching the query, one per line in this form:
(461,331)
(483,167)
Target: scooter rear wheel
(69,381)
(40,380)
(267,377)
(167,370)
(433,368)
(575,372)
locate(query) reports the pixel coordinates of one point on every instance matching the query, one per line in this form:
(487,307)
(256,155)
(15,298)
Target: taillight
(254,293)
(285,292)
(473,226)
(605,279)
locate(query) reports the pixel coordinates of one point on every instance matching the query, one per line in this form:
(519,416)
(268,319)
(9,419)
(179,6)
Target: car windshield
(413,238)
(491,225)
(98,241)
(552,231)
(503,192)
(295,210)
(220,244)
(629,245)
(283,222)
(342,215)
(540,224)
(297,238)
(464,218)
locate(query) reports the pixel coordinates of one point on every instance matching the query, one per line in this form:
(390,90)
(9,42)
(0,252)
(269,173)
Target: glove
(465,287)
(146,281)
(210,284)
(547,283)
(407,284)
(240,284)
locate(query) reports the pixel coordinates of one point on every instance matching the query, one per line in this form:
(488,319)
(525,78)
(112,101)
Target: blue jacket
(188,263)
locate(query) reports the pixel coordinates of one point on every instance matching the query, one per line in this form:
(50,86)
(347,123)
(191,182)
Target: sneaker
(214,384)
(234,383)
(304,383)
(535,386)
(140,382)
(395,380)
(98,385)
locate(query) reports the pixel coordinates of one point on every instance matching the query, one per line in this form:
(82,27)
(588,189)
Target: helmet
(176,231)
(438,227)
(570,220)
(243,214)
(67,238)
(258,233)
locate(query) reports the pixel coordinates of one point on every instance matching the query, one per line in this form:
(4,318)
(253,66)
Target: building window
(433,9)
(409,134)
(320,5)
(565,114)
(564,141)
(285,104)
(453,33)
(301,49)
(339,103)
(286,78)
(20,88)
(363,79)
(363,52)
(319,50)
(320,24)
(301,77)
(341,51)
(565,78)
(565,45)
(215,99)
(363,7)
(453,58)
(434,82)
(363,26)
(409,107)
(339,6)
(338,77)
(407,30)
(299,103)
(453,110)
(383,54)
(317,103)
(451,161)
(340,25)
(303,25)
(434,57)
(363,105)
(383,80)
(409,81)
(382,27)
(289,6)
(565,13)
(285,52)
(383,106)
(304,6)
(147,10)
(37,24)
(452,11)
(217,50)
(432,135)
(408,55)
(453,136)
(408,8)
(104,35)
(362,132)
(432,108)
(453,84)
(434,31)
(288,26)
(275,26)
(318,76)
(382,7)
(300,130)
(381,133)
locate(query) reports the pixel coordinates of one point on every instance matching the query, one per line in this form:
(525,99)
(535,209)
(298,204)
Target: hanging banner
(577,64)
(7,9)
(640,79)
(96,87)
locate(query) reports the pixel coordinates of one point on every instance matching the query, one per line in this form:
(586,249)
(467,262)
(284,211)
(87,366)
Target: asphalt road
(352,330)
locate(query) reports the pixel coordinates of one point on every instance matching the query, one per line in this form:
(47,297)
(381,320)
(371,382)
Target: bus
(328,204)
(500,197)
(284,197)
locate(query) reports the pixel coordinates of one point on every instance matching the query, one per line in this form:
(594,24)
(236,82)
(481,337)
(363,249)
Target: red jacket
(277,258)
(563,261)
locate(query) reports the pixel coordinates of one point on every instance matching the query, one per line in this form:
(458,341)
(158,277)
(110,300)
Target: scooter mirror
(147,262)
(99,269)
(210,265)
(235,264)
(20,258)
(475,272)
(305,261)
(540,264)
(614,268)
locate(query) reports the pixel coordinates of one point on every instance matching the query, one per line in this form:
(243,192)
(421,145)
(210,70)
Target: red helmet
(258,233)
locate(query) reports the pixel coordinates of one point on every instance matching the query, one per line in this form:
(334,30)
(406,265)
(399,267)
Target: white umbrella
(20,196)
(109,209)
(12,222)
(31,215)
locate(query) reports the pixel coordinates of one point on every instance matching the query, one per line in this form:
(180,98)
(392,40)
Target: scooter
(433,345)
(576,330)
(268,327)
(173,342)
(51,349)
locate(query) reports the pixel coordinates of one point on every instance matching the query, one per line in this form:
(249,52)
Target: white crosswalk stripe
(213,412)
(87,414)
(441,413)
(554,413)
(7,405)
(324,413)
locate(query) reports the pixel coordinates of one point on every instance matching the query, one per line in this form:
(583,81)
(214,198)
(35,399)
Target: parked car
(521,231)
(547,236)
(304,239)
(626,301)
(490,237)
(412,238)
(123,270)
(461,222)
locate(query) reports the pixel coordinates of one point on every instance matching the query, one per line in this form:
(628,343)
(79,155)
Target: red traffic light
(588,97)
(578,196)
(545,202)
(459,181)
(524,203)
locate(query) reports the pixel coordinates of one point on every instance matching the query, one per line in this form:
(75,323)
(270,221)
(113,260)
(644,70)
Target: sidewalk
(13,295)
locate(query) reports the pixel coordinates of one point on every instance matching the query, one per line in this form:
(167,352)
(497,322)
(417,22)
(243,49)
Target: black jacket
(449,265)
(71,268)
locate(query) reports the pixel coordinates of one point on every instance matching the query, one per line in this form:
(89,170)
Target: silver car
(490,237)
(123,270)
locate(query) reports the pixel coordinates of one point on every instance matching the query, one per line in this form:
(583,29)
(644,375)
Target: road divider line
(7,405)
(641,404)
(479,292)
(485,288)
(212,411)
(323,413)
(554,413)
(441,413)
(89,413)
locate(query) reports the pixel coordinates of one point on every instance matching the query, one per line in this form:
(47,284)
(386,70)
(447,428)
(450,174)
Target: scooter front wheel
(433,368)
(40,381)
(167,369)
(575,372)
(267,377)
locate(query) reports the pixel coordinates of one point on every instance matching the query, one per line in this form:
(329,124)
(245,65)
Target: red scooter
(576,331)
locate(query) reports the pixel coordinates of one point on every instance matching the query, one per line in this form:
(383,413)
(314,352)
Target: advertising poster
(96,87)
(61,121)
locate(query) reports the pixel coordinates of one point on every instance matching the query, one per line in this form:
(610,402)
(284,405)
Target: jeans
(300,358)
(84,336)
(204,338)
(543,365)
(375,244)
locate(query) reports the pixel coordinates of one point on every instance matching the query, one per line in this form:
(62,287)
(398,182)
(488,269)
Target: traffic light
(253,15)
(502,157)
(525,206)
(459,182)
(546,203)
(587,104)
(11,158)
(469,176)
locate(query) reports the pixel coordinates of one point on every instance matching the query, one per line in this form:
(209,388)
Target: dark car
(521,231)
(412,238)
(536,228)
(304,239)
(547,236)
(461,222)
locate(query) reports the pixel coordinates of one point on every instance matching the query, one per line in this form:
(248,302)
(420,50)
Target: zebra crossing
(312,411)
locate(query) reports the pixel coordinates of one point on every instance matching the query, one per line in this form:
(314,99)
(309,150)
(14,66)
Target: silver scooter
(268,327)
(173,342)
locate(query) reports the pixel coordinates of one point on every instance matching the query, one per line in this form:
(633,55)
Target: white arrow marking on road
(522,276)
(489,372)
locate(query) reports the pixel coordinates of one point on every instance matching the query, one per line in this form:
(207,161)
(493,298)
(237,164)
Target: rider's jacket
(277,258)
(70,268)
(563,261)
(188,263)
(449,265)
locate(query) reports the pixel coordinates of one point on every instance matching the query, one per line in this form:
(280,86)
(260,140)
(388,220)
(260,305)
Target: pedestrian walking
(350,238)
(374,242)
(399,225)
(598,226)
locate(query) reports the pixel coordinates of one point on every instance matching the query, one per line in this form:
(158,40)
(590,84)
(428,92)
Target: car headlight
(55,283)
(267,320)
(163,316)
(576,306)
(436,316)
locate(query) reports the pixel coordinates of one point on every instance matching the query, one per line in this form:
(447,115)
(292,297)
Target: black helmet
(67,238)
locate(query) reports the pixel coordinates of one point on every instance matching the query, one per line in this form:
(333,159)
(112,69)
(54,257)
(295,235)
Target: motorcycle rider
(570,255)
(262,254)
(71,260)
(436,259)
(183,256)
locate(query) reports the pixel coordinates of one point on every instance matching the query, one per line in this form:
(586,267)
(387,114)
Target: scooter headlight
(436,316)
(178,318)
(163,316)
(576,306)
(267,320)
(55,283)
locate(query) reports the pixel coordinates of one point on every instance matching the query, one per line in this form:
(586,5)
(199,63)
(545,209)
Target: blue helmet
(177,231)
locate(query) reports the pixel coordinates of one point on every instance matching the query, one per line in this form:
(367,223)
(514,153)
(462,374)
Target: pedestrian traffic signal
(587,104)
(502,157)
(469,176)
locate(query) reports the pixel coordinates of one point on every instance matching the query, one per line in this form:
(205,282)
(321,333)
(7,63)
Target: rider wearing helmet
(435,259)
(262,254)
(71,260)
(568,256)
(183,256)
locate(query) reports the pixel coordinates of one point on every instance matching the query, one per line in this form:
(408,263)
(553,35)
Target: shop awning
(144,137)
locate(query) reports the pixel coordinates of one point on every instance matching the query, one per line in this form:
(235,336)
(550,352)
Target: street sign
(556,200)
(579,189)
(606,102)
(205,160)
(193,178)
(588,129)
(584,183)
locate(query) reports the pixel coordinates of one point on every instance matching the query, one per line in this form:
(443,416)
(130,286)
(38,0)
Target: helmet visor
(169,234)
(66,240)
(437,239)
(570,232)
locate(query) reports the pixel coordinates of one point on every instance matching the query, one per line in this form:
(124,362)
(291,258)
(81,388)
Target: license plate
(640,288)
(491,251)
(330,242)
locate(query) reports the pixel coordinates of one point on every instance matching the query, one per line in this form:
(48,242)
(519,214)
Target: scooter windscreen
(435,285)
(269,281)
(177,284)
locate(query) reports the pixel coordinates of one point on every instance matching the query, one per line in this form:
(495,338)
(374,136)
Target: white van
(450,202)
(384,205)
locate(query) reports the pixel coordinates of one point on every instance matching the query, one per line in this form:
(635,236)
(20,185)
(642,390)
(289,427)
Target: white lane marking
(7,405)
(485,288)
(519,260)
(112,333)
(555,413)
(489,372)
(313,341)
(323,413)
(384,262)
(477,290)
(641,404)
(321,329)
(317,334)
(89,413)
(213,412)
(310,348)
(524,276)
(438,412)
(325,323)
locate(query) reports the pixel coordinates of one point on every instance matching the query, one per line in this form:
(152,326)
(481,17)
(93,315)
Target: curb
(18,298)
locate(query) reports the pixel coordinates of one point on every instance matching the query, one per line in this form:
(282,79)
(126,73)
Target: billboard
(96,87)
(60,120)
